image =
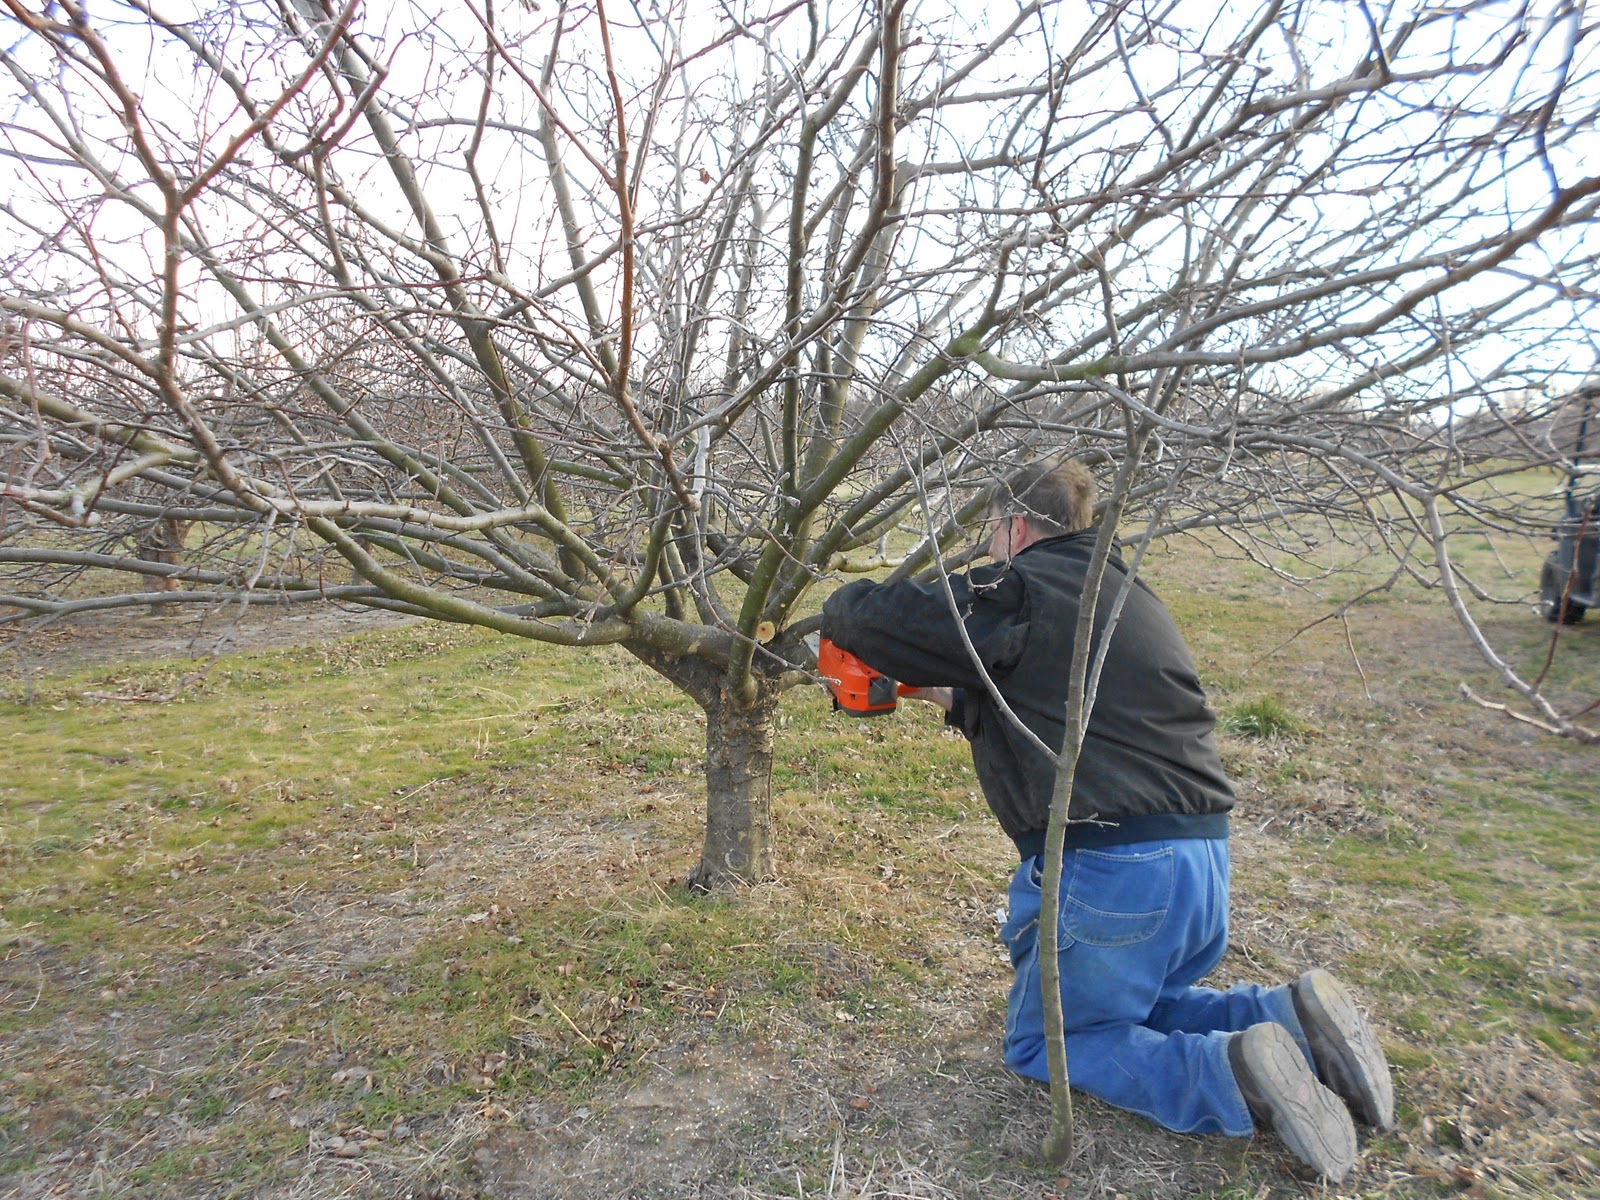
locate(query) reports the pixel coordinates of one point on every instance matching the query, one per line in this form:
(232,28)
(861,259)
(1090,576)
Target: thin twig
(39,993)
(1574,731)
(1349,641)
(560,1012)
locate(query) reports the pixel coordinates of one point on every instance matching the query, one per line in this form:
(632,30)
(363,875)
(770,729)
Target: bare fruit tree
(605,324)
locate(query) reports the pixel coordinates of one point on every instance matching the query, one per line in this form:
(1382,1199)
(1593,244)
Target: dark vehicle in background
(1569,584)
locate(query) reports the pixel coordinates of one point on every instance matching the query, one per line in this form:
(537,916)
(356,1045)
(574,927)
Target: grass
(399,912)
(1263,717)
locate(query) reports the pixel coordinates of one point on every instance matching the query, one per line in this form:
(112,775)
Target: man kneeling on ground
(1144,882)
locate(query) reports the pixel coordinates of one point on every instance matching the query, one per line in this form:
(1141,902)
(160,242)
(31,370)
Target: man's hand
(942,696)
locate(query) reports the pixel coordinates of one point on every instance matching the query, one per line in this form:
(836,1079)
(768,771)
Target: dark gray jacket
(1149,768)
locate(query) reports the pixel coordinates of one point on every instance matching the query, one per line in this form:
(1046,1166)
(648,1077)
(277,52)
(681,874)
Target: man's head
(1041,500)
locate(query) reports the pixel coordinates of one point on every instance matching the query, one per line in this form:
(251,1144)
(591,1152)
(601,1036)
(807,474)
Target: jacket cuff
(956,718)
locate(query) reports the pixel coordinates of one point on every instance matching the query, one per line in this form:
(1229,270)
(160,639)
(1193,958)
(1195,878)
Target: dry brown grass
(298,1021)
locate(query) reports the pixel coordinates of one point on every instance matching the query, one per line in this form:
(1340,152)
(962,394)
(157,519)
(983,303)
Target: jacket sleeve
(908,631)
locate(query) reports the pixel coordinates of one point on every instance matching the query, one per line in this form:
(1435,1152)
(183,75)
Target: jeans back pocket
(1117,896)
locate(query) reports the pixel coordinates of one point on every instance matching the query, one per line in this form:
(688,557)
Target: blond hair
(1057,495)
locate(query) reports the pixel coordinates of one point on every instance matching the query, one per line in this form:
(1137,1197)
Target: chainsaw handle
(939,694)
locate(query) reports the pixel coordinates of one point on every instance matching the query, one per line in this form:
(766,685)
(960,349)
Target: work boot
(1285,1096)
(1345,1049)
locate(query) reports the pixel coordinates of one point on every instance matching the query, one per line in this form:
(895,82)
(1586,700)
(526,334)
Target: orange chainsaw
(857,689)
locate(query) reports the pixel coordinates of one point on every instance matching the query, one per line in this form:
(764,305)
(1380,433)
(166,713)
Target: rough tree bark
(739,745)
(740,738)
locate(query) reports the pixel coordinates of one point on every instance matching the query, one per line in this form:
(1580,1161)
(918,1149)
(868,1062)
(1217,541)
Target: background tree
(630,326)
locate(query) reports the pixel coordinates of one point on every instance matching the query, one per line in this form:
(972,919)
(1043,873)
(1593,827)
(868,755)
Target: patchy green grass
(1263,717)
(399,912)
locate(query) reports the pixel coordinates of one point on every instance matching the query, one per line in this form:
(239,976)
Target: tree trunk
(738,844)
(162,542)
(739,738)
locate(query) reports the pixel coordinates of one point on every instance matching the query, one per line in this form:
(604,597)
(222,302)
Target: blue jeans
(1140,925)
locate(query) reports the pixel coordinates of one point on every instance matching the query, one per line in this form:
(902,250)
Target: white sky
(419,44)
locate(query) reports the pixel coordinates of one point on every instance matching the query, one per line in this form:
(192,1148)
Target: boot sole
(1309,1118)
(1344,1048)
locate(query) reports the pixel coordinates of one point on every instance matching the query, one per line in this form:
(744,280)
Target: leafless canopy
(603,323)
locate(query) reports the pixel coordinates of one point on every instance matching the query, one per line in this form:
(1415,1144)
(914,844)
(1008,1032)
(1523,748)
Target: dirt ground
(713,1116)
(182,631)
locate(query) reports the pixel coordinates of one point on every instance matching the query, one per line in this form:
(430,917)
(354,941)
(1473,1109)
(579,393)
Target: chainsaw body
(857,689)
